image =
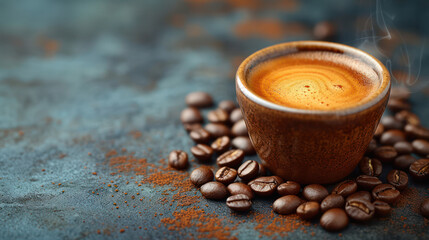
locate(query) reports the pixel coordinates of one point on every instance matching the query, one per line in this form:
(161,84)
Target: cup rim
(378,96)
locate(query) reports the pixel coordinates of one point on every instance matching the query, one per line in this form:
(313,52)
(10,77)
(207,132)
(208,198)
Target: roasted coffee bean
(361,195)
(390,122)
(262,170)
(231,158)
(308,210)
(370,166)
(191,115)
(235,115)
(403,147)
(227,105)
(248,170)
(332,201)
(240,188)
(386,193)
(396,105)
(334,220)
(244,144)
(420,169)
(401,93)
(289,188)
(214,190)
(416,131)
(239,202)
(381,208)
(217,130)
(201,176)
(390,137)
(421,147)
(192,126)
(398,179)
(226,175)
(360,210)
(403,162)
(286,204)
(407,117)
(265,186)
(200,135)
(367,183)
(345,188)
(325,31)
(371,147)
(379,130)
(178,159)
(239,129)
(424,208)
(221,144)
(218,116)
(315,192)
(202,152)
(199,99)
(385,153)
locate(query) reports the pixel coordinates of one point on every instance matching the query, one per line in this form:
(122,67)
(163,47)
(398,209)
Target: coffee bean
(361,195)
(407,118)
(421,147)
(201,175)
(214,190)
(403,162)
(235,115)
(244,144)
(420,169)
(390,137)
(398,179)
(239,202)
(381,208)
(248,170)
(371,147)
(386,193)
(332,201)
(217,130)
(202,152)
(379,130)
(178,159)
(403,147)
(370,166)
(367,182)
(262,170)
(226,175)
(231,158)
(192,126)
(315,192)
(286,204)
(191,115)
(308,210)
(200,135)
(227,105)
(334,220)
(240,188)
(396,105)
(424,208)
(390,122)
(289,188)
(239,129)
(385,153)
(221,144)
(345,188)
(360,210)
(401,93)
(325,31)
(218,116)
(199,99)
(265,186)
(417,131)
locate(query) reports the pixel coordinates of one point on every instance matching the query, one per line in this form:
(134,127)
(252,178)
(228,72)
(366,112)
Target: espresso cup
(310,146)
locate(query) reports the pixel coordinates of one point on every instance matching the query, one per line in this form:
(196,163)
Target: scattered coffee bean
(265,186)
(324,31)
(370,166)
(235,115)
(398,179)
(407,118)
(390,137)
(361,195)
(218,116)
(227,105)
(191,115)
(262,170)
(221,144)
(371,147)
(178,159)
(214,190)
(248,170)
(385,153)
(286,204)
(386,193)
(345,188)
(202,152)
(315,192)
(403,147)
(239,129)
(396,105)
(381,208)
(367,183)
(192,126)
(199,99)
(239,202)
(332,201)
(360,210)
(217,130)
(308,210)
(390,122)
(200,135)
(403,162)
(334,220)
(401,93)
(420,169)
(288,188)
(417,131)
(240,188)
(231,158)
(201,175)
(424,208)
(421,147)
(244,144)
(379,130)
(226,175)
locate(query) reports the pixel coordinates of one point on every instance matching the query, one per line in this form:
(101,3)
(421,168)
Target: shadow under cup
(310,146)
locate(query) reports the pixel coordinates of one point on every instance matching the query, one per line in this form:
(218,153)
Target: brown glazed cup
(310,146)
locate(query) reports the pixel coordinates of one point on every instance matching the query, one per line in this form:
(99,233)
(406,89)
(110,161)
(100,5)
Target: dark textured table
(90,97)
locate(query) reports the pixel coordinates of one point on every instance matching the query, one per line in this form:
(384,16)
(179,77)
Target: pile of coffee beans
(398,139)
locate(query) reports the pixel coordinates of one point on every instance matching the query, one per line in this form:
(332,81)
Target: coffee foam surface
(314,80)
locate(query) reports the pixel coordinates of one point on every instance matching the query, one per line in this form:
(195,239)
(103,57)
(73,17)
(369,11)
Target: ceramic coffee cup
(310,146)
